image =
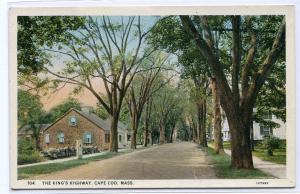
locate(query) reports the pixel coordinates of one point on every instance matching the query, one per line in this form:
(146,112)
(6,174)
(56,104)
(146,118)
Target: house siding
(73,133)
(279,132)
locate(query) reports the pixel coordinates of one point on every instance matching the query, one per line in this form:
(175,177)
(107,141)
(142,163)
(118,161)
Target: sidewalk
(276,170)
(68,159)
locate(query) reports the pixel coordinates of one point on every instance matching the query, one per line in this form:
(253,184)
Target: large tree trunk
(241,154)
(218,141)
(162,130)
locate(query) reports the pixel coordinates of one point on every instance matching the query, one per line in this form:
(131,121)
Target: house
(84,125)
(259,130)
(27,131)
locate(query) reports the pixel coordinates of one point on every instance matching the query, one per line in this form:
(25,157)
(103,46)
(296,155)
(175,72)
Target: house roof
(104,124)
(27,129)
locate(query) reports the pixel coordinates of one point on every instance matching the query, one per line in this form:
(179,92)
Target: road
(170,161)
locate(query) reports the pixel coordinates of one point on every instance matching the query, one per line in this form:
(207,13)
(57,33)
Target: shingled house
(27,131)
(85,125)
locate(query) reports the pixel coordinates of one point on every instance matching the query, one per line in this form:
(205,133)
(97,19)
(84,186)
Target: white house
(259,131)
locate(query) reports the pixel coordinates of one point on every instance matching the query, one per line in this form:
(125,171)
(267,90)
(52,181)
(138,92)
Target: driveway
(170,161)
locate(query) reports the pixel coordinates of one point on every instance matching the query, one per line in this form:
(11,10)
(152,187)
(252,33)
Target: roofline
(58,119)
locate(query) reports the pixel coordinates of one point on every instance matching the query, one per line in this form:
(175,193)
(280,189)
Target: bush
(28,159)
(27,152)
(271,143)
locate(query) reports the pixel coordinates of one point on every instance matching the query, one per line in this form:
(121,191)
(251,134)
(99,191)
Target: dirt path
(171,161)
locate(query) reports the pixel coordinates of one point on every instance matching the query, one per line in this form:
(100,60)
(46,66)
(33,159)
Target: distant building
(27,131)
(85,125)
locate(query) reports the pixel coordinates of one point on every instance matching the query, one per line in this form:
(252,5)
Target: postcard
(152,97)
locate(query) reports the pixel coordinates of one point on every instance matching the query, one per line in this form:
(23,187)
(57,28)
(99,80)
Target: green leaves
(37,31)
(29,108)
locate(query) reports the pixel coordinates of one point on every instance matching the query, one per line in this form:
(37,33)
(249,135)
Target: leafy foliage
(29,108)
(271,143)
(37,31)
(27,152)
(61,109)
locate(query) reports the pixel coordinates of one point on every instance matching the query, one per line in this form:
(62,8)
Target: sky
(85,97)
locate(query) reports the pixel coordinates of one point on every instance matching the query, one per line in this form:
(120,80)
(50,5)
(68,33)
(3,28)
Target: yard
(279,155)
(26,172)
(223,169)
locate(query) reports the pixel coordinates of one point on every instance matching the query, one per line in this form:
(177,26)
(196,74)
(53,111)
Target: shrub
(27,152)
(271,143)
(28,159)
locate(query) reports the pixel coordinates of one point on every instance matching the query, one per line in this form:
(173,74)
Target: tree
(168,34)
(218,140)
(249,70)
(141,90)
(59,110)
(30,112)
(103,49)
(33,33)
(164,103)
(37,31)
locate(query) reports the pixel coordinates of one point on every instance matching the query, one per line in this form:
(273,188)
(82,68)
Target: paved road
(170,161)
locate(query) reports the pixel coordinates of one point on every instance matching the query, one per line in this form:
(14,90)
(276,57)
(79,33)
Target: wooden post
(79,149)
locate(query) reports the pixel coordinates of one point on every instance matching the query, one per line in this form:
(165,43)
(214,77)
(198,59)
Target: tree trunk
(252,136)
(113,146)
(171,134)
(241,155)
(146,135)
(135,123)
(218,141)
(199,126)
(204,140)
(162,138)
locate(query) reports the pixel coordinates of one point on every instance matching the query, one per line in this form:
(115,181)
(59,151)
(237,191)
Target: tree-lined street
(171,161)
(193,79)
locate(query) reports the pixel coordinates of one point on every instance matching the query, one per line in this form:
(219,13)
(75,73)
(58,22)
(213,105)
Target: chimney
(87,109)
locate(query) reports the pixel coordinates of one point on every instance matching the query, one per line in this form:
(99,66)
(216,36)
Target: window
(107,138)
(87,137)
(267,116)
(120,138)
(47,138)
(265,130)
(73,121)
(60,137)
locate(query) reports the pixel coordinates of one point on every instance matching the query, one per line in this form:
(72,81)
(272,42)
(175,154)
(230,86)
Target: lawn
(26,172)
(223,169)
(279,155)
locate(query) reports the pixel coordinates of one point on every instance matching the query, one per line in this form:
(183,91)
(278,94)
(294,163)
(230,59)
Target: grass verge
(223,169)
(279,155)
(26,172)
